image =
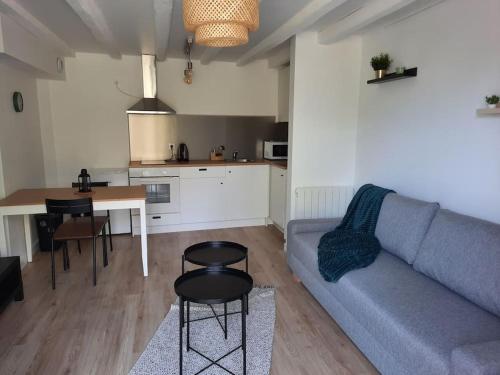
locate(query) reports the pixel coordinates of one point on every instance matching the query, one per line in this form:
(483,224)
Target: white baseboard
(202,226)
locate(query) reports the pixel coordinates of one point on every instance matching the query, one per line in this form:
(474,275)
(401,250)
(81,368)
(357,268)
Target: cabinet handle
(202,169)
(222,183)
(282,175)
(156,217)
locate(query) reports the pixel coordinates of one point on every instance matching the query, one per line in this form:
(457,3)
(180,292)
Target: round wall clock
(17,100)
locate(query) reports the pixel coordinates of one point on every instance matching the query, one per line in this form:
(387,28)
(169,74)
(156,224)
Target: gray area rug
(162,353)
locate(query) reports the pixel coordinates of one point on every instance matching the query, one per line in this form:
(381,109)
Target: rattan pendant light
(221,23)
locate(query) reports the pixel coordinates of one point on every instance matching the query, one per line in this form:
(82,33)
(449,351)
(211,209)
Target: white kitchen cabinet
(277,204)
(246,192)
(202,199)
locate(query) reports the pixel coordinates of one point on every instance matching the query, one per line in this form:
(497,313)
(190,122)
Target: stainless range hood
(150,104)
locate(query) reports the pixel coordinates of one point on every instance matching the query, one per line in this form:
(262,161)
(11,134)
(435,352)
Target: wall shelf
(408,73)
(488,111)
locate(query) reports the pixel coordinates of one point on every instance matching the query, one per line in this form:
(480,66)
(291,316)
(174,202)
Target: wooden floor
(81,329)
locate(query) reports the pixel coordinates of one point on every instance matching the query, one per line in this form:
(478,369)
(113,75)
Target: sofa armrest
(312,225)
(476,359)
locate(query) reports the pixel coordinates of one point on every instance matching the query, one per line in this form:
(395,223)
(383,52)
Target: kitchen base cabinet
(247,192)
(202,199)
(277,200)
(214,197)
(242,194)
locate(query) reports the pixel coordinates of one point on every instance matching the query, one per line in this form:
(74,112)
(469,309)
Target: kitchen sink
(244,161)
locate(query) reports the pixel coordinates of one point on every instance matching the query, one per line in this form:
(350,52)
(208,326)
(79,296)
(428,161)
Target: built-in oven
(162,188)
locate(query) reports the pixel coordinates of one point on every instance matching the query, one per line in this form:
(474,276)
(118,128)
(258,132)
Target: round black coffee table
(212,286)
(215,254)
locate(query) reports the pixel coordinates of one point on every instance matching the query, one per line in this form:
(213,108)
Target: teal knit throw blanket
(353,244)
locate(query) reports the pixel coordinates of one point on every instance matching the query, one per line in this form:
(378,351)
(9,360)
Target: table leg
(3,236)
(187,322)
(246,268)
(244,334)
(144,238)
(27,236)
(225,321)
(104,247)
(181,322)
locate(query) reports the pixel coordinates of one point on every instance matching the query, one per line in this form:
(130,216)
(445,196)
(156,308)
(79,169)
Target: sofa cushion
(402,224)
(416,319)
(476,359)
(463,253)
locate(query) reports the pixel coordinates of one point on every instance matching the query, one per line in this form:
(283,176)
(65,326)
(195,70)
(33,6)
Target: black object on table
(11,282)
(216,254)
(212,286)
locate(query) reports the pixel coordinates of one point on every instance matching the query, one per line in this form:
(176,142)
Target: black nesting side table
(213,254)
(212,286)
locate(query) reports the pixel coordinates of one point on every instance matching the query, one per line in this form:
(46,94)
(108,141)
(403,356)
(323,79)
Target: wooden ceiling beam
(29,22)
(209,55)
(92,16)
(361,19)
(280,57)
(301,21)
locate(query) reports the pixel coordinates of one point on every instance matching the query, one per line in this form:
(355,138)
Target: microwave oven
(275,150)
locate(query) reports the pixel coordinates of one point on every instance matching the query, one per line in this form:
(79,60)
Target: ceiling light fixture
(221,23)
(188,72)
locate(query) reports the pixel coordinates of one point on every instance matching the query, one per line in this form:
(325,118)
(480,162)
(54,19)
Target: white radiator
(322,202)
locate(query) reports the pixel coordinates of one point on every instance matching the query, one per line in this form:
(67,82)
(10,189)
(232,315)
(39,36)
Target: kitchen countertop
(215,163)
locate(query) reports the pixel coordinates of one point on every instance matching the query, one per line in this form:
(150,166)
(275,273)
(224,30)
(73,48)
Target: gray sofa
(429,304)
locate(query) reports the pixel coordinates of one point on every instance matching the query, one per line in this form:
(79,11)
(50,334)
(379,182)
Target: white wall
(421,136)
(20,145)
(219,88)
(87,112)
(87,115)
(283,93)
(323,113)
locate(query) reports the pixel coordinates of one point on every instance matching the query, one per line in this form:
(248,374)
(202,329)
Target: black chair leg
(110,234)
(67,254)
(63,252)
(104,248)
(53,264)
(93,260)
(79,247)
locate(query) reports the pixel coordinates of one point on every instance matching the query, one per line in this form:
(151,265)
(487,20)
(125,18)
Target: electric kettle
(182,152)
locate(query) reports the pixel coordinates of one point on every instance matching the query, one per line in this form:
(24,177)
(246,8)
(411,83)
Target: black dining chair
(82,225)
(101,184)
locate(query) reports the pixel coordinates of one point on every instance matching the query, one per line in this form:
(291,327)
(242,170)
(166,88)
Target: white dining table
(28,202)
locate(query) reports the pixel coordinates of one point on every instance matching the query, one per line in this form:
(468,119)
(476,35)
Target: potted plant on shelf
(492,101)
(380,64)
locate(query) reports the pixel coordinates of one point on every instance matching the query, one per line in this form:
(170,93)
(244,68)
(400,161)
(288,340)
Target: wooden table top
(27,197)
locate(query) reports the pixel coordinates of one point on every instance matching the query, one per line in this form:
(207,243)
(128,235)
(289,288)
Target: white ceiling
(134,27)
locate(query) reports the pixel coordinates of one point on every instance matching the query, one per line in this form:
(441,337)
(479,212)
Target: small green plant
(381,62)
(493,99)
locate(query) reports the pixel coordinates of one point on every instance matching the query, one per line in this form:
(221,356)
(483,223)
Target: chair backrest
(93,184)
(74,207)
